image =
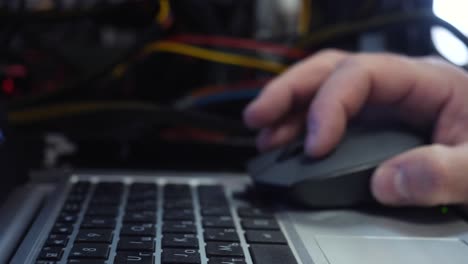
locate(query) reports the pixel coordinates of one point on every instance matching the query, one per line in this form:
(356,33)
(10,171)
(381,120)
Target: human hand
(324,91)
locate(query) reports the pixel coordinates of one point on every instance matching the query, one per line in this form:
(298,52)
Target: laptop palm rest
(371,250)
(354,237)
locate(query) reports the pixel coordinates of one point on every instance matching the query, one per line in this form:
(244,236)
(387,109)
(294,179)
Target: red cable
(239,43)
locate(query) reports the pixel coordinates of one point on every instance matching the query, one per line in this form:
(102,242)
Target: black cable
(333,33)
(98,115)
(86,81)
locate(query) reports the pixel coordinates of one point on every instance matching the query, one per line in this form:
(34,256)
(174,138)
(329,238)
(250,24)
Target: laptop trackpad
(371,250)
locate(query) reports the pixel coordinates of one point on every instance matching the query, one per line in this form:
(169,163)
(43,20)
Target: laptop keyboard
(110,222)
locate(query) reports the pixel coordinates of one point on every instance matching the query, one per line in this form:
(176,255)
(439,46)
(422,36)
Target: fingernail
(389,185)
(400,182)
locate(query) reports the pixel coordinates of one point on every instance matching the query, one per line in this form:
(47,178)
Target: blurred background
(161,84)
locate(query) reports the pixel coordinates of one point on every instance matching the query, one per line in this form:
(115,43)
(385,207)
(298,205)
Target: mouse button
(351,189)
(263,161)
(292,150)
(283,174)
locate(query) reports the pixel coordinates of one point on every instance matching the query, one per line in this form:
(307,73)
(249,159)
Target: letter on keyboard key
(144,229)
(180,256)
(145,244)
(180,241)
(140,217)
(93,251)
(51,253)
(57,241)
(184,227)
(226,234)
(272,254)
(95,236)
(227,261)
(218,221)
(261,224)
(86,261)
(265,237)
(224,249)
(179,214)
(98,223)
(134,257)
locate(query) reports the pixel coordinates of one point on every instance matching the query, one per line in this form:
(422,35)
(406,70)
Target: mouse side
(340,179)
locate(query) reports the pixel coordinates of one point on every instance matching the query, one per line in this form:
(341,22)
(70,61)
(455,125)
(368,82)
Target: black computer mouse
(340,179)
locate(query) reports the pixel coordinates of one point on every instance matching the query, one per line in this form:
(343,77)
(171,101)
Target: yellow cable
(216,56)
(304,18)
(119,70)
(62,110)
(164,11)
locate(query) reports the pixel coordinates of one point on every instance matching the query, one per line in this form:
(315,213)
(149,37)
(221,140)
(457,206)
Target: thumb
(426,176)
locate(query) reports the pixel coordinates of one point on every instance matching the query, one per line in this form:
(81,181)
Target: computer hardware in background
(151,82)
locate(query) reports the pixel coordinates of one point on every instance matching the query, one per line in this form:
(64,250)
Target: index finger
(295,88)
(419,90)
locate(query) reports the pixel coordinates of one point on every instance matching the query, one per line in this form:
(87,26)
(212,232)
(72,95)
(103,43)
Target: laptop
(192,218)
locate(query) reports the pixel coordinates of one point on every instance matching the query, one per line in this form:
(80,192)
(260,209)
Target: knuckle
(355,61)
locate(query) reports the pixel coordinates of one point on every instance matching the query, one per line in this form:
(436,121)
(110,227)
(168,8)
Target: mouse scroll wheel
(293,150)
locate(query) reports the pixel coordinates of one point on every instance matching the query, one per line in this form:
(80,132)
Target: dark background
(64,55)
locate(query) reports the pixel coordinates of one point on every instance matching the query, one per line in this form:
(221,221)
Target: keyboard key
(109,211)
(265,237)
(94,236)
(184,227)
(180,256)
(262,224)
(51,253)
(89,251)
(271,254)
(144,229)
(71,207)
(62,229)
(226,235)
(45,262)
(66,218)
(216,211)
(179,214)
(145,244)
(108,200)
(76,197)
(109,187)
(57,241)
(247,212)
(180,241)
(208,192)
(226,261)
(178,204)
(138,186)
(147,205)
(177,190)
(86,261)
(140,217)
(134,257)
(224,249)
(222,202)
(98,222)
(220,222)
(136,196)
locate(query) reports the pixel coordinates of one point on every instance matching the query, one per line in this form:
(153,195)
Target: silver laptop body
(287,236)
